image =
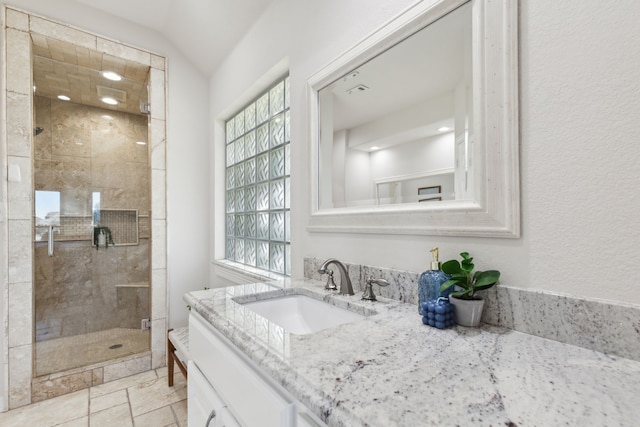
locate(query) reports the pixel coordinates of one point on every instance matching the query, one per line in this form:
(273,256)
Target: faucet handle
(368,288)
(331,285)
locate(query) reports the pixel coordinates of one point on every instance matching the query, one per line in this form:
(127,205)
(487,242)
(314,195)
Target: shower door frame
(17,211)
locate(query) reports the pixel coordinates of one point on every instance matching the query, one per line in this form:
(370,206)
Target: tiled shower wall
(83,150)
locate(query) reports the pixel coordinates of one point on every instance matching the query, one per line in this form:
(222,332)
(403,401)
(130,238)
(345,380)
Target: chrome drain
(113,347)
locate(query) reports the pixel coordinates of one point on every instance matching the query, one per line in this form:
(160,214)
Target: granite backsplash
(611,328)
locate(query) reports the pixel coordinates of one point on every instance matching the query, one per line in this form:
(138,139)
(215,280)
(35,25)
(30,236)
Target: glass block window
(258,183)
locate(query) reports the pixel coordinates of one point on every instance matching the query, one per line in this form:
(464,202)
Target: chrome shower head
(37,130)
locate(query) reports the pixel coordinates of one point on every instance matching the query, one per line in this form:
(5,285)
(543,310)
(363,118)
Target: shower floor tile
(62,354)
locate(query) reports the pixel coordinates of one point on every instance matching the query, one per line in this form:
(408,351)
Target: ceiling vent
(118,95)
(357,89)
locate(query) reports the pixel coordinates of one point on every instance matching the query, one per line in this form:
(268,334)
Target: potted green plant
(468,306)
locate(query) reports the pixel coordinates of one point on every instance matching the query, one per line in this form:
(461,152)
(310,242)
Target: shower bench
(177,351)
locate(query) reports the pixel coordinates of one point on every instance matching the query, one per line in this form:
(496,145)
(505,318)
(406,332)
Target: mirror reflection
(397,129)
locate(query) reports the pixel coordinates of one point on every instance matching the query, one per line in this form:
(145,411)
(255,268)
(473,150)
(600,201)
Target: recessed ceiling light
(64,98)
(106,117)
(351,75)
(111,75)
(444,129)
(109,100)
(141,143)
(374,148)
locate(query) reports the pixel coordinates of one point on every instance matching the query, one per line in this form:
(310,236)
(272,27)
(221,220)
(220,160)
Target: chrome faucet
(345,281)
(331,285)
(368,288)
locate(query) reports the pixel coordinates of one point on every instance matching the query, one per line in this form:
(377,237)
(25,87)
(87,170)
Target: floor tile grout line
(129,403)
(89,405)
(175,416)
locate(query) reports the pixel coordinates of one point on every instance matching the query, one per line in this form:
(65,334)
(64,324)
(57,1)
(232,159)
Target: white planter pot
(467,312)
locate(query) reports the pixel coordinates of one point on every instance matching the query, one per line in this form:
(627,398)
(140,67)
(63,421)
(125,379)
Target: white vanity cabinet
(205,407)
(236,385)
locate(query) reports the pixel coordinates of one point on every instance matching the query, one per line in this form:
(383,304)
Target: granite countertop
(391,370)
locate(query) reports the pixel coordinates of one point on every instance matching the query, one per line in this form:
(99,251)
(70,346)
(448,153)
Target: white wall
(358,178)
(335,169)
(424,155)
(362,169)
(187,146)
(4,235)
(579,131)
(409,123)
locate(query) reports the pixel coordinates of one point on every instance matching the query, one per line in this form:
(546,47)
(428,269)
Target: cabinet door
(307,419)
(252,397)
(205,408)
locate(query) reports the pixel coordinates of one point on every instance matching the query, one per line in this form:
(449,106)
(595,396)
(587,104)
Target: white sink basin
(300,314)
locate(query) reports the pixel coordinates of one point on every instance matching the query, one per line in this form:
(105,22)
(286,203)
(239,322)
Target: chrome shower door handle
(50,241)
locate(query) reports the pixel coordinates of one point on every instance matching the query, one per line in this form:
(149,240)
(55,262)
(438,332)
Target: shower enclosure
(88,301)
(92,203)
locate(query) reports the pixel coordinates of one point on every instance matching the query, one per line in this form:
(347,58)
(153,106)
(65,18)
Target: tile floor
(141,400)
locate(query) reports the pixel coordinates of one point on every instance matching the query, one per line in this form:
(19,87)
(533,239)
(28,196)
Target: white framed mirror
(415,129)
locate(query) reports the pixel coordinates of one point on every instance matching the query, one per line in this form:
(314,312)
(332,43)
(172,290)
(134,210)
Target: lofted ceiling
(407,86)
(205,31)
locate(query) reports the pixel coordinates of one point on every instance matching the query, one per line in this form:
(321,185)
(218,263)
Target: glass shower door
(91,235)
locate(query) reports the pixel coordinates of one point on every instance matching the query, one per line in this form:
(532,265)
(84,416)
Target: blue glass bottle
(430,281)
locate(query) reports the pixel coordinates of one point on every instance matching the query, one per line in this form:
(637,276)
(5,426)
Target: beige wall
(80,151)
(84,149)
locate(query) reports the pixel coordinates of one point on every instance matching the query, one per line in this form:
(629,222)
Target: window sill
(242,274)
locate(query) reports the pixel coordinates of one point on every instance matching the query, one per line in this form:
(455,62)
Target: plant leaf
(462,276)
(484,278)
(449,283)
(466,294)
(461,279)
(451,267)
(483,287)
(467,266)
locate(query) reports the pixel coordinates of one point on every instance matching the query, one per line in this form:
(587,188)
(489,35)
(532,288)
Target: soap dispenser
(430,281)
